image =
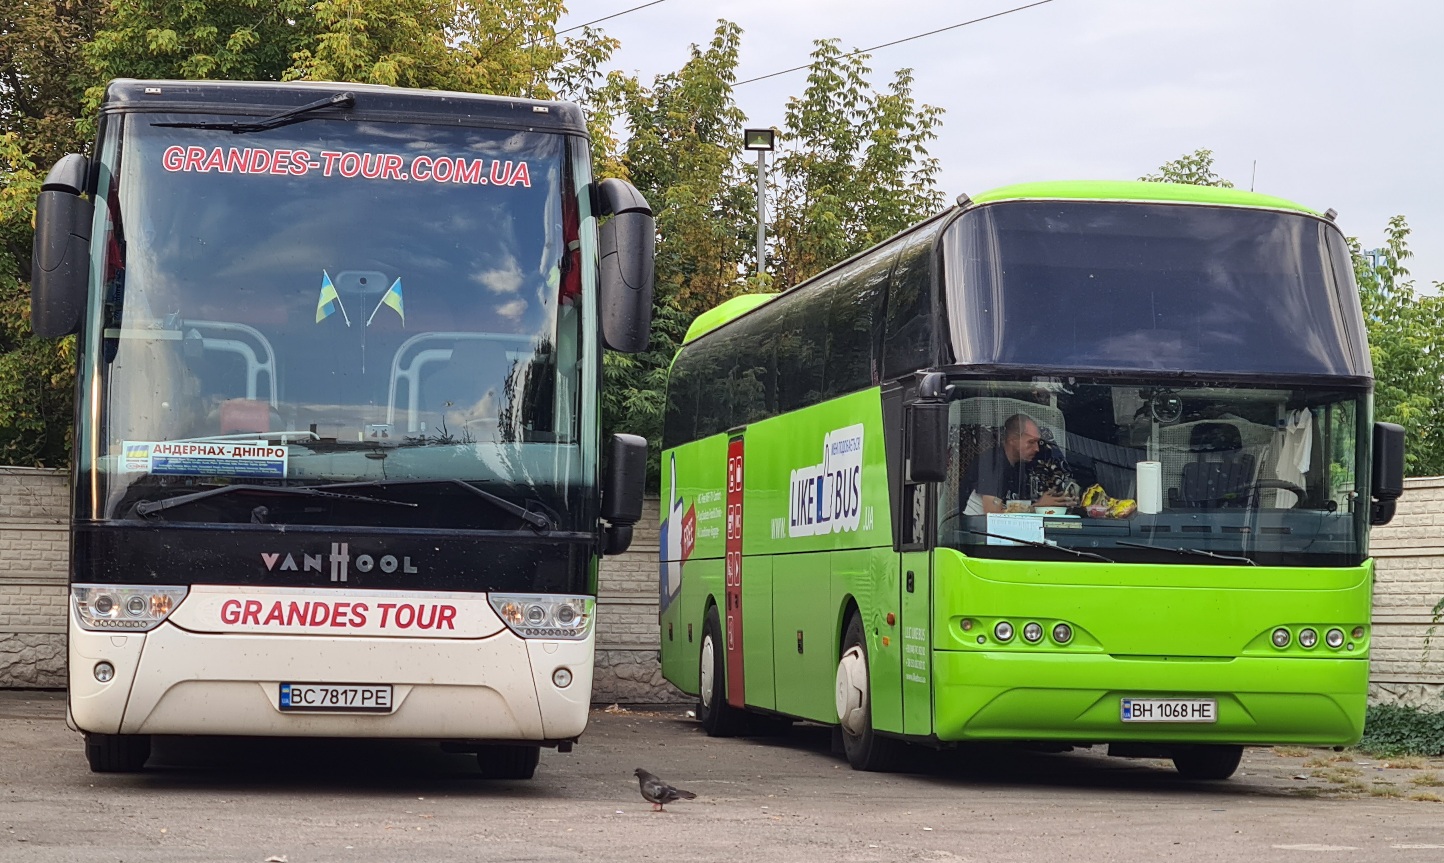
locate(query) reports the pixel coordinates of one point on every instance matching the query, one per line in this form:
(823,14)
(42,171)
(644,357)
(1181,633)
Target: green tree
(1406,343)
(683,154)
(853,168)
(43,79)
(1194,169)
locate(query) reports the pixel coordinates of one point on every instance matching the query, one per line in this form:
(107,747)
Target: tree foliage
(1194,169)
(1406,343)
(853,168)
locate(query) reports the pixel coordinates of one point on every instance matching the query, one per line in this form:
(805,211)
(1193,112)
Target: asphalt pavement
(783,798)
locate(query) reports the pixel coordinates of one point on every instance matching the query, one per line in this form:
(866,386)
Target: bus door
(732,575)
(915,626)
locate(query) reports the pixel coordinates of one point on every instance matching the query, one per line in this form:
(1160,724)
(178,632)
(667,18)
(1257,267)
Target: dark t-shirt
(992,474)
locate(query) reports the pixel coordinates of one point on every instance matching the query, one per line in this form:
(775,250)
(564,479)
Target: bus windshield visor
(1072,285)
(338,301)
(1135,472)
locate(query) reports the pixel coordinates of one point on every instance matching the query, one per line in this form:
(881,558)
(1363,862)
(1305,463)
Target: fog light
(562,677)
(1358,632)
(1032,633)
(967,624)
(1308,638)
(1062,633)
(1281,637)
(1003,631)
(104,672)
(1334,638)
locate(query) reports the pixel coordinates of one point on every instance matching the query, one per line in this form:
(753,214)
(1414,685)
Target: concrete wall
(1408,641)
(34,554)
(1408,657)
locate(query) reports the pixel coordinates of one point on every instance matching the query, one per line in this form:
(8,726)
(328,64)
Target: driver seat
(1221,475)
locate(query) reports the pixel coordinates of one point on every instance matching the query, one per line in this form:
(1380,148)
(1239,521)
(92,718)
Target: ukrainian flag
(329,301)
(391,298)
(137,450)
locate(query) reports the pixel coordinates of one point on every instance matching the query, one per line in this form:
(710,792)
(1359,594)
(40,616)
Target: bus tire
(865,749)
(508,761)
(718,718)
(1210,762)
(116,753)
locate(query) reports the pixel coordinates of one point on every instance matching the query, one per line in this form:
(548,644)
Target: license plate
(1169,710)
(337,697)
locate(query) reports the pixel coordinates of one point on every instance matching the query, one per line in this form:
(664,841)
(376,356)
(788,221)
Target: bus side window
(908,339)
(679,425)
(853,324)
(801,342)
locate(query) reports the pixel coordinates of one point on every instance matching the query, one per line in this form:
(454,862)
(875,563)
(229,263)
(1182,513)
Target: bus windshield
(338,301)
(1121,285)
(1138,472)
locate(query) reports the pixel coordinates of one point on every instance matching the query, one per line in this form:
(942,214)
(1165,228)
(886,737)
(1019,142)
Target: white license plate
(1169,710)
(338,697)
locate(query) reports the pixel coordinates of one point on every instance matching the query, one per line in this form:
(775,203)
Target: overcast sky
(1336,101)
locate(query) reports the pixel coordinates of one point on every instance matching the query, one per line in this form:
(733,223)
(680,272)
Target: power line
(899,41)
(610,17)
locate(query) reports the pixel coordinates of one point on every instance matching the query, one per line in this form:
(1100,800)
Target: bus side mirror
(622,492)
(626,244)
(1388,472)
(927,442)
(60,257)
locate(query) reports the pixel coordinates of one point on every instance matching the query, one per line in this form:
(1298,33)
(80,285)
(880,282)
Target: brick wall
(34,510)
(1408,658)
(1408,642)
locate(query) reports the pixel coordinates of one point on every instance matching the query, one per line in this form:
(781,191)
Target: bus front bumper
(1078,699)
(172,681)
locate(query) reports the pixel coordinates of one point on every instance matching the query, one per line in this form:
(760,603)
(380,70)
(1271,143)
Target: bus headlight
(1308,638)
(123,608)
(1334,638)
(551,617)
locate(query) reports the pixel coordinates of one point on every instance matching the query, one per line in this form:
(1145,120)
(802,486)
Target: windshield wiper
(1198,551)
(285,118)
(147,507)
(1045,543)
(539,522)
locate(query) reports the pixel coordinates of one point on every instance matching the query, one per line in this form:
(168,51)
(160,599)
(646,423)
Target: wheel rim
(708,670)
(852,694)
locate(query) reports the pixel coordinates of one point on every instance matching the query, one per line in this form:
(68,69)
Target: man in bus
(1001,474)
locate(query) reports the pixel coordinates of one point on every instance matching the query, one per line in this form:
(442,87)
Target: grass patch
(1385,790)
(1426,797)
(1391,730)
(1427,780)
(1291,752)
(1407,762)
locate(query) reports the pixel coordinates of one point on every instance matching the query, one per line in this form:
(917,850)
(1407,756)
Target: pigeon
(659,793)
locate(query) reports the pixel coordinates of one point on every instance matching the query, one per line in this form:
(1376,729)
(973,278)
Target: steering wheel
(1281,484)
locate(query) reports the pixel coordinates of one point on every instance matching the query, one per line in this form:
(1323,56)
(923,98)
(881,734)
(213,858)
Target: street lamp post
(763,141)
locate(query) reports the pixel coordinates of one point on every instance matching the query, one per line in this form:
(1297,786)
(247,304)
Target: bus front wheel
(508,761)
(116,753)
(1207,761)
(865,749)
(718,718)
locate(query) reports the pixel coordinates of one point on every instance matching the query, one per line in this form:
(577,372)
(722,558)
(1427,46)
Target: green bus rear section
(1141,630)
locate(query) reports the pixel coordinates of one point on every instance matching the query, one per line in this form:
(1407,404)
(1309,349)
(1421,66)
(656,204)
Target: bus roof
(1136,190)
(245,97)
(724,313)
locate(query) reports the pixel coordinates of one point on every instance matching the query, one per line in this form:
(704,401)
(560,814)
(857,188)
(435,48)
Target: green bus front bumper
(996,695)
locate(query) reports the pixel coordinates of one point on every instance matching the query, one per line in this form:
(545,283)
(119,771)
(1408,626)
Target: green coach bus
(1083,463)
